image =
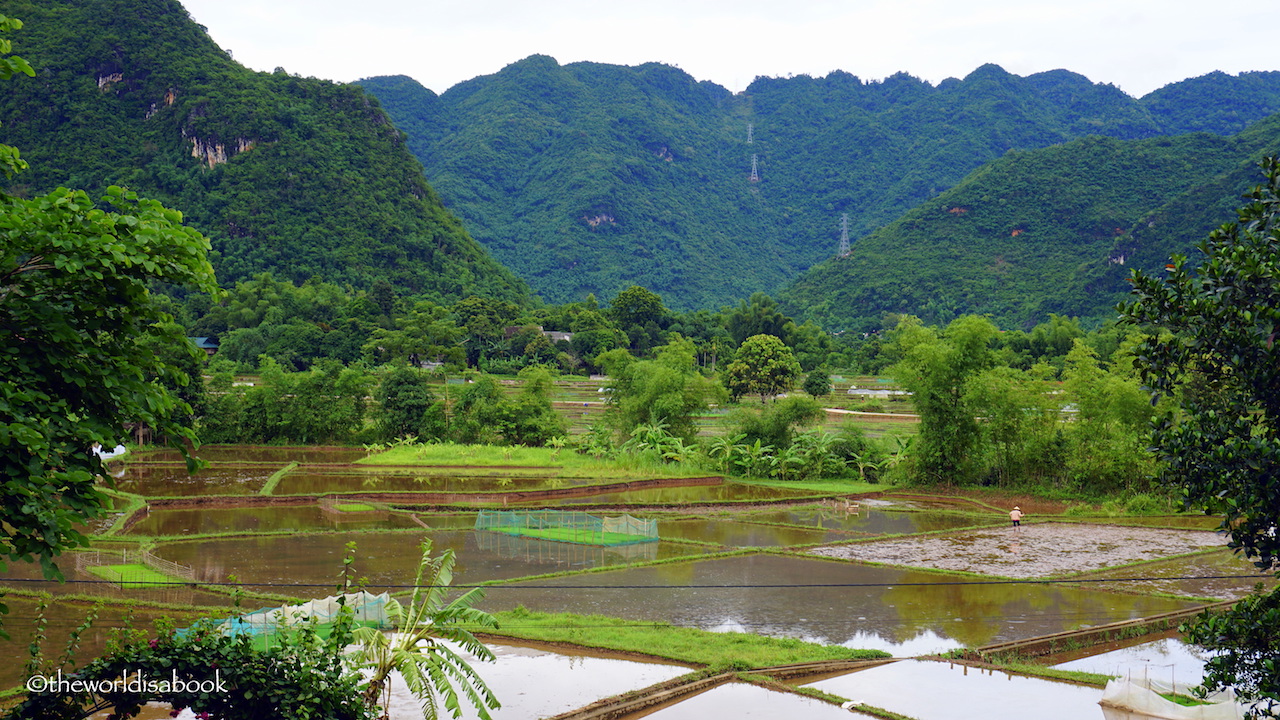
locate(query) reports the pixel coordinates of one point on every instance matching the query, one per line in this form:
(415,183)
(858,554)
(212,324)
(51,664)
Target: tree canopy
(1213,351)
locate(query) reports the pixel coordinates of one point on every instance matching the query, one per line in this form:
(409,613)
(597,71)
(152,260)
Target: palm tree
(419,650)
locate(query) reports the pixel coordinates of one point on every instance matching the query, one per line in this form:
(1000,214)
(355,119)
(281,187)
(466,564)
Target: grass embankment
(686,645)
(565,462)
(834,486)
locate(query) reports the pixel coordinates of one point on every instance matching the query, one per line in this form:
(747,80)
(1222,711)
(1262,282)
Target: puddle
(957,692)
(307,565)
(870,521)
(201,521)
(173,480)
(532,683)
(740,700)
(731,533)
(893,609)
(1167,659)
(1031,551)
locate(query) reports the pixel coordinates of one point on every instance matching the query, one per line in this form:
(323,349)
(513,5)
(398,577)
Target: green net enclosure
(569,526)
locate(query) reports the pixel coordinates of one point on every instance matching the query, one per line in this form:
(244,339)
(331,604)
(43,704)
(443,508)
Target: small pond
(306,565)
(958,692)
(844,603)
(174,480)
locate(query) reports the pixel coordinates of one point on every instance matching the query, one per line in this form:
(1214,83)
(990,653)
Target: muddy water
(1221,575)
(901,611)
(262,454)
(740,700)
(956,692)
(173,480)
(741,534)
(28,576)
(63,617)
(264,519)
(533,683)
(870,520)
(727,493)
(306,565)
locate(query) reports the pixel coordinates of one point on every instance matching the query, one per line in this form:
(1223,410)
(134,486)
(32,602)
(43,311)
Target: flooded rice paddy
(958,692)
(836,603)
(565,681)
(739,700)
(899,593)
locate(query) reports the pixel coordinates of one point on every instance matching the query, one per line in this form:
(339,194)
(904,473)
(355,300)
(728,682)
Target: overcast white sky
(1137,45)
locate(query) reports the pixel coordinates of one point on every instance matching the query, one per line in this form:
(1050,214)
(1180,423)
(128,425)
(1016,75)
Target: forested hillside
(590,177)
(297,176)
(1055,230)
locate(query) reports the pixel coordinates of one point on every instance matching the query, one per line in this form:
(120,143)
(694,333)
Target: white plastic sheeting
(1142,695)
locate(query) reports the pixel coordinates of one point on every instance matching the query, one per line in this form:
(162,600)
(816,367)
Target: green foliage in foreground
(688,645)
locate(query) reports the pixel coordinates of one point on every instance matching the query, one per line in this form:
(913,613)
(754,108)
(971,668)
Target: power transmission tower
(751,136)
(844,235)
(755,171)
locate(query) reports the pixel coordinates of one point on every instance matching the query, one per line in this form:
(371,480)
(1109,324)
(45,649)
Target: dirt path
(1039,550)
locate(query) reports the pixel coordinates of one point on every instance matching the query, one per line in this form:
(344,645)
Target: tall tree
(937,371)
(1213,349)
(764,366)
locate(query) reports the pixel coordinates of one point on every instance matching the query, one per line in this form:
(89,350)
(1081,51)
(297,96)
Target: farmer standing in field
(1016,516)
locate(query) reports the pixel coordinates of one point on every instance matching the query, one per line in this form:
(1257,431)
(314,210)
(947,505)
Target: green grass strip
(134,575)
(686,645)
(274,480)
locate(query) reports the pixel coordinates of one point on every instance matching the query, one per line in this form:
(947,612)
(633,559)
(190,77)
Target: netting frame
(579,528)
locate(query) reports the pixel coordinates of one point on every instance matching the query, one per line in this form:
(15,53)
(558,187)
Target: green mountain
(590,177)
(1055,230)
(297,176)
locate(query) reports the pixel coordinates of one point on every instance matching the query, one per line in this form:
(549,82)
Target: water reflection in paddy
(869,520)
(957,692)
(533,683)
(741,534)
(728,492)
(391,558)
(740,700)
(199,521)
(1166,659)
(174,480)
(892,608)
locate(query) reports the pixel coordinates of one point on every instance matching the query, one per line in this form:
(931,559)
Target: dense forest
(589,177)
(298,176)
